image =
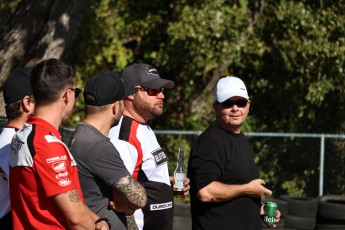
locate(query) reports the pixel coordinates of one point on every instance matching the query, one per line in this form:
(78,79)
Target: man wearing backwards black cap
(19,105)
(103,176)
(139,148)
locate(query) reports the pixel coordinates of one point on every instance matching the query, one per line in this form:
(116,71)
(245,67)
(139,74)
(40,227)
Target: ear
(27,104)
(114,108)
(130,97)
(66,96)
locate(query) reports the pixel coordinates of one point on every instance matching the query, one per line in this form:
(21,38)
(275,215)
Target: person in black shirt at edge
(225,182)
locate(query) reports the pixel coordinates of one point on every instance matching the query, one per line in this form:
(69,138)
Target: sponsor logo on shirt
(64,182)
(61,175)
(16,144)
(59,166)
(58,158)
(51,138)
(156,207)
(159,157)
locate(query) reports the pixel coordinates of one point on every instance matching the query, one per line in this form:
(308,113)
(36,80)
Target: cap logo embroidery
(151,70)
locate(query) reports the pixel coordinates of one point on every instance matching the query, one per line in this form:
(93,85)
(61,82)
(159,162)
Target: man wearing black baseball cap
(106,183)
(139,148)
(19,105)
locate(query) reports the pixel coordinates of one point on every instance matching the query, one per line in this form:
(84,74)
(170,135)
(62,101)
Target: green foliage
(204,37)
(291,58)
(301,59)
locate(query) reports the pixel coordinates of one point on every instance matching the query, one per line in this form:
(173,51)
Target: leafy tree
(289,53)
(36,30)
(294,62)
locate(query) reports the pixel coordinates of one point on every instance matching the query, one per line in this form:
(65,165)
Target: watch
(105,220)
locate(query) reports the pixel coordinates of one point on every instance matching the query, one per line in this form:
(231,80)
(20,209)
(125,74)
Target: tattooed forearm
(131,225)
(73,195)
(132,191)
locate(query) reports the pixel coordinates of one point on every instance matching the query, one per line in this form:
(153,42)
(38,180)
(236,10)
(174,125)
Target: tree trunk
(38,30)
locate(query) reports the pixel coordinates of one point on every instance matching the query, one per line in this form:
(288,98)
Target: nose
(234,107)
(160,95)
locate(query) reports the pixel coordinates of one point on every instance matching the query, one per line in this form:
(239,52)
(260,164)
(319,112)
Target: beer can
(270,213)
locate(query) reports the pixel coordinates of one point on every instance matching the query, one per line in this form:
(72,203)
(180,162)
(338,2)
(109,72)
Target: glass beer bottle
(179,173)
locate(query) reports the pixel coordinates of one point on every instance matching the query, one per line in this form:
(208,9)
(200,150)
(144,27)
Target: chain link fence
(300,164)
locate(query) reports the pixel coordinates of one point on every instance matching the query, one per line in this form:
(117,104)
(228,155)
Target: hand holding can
(270,213)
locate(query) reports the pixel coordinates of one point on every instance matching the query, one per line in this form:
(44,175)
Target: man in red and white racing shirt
(139,148)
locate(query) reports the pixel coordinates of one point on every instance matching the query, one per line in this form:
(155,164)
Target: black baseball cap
(105,88)
(144,75)
(17,85)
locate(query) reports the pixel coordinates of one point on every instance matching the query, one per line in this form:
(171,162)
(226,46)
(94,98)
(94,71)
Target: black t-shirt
(219,155)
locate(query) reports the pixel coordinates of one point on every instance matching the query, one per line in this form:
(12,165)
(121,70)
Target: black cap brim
(159,83)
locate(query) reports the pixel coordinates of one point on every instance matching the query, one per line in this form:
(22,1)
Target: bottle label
(179,179)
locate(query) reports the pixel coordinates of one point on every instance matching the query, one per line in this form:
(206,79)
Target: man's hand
(255,188)
(186,186)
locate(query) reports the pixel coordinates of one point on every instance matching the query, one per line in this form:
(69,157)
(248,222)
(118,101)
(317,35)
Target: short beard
(145,110)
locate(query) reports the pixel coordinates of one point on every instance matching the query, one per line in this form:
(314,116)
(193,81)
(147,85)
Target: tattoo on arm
(73,195)
(133,192)
(131,225)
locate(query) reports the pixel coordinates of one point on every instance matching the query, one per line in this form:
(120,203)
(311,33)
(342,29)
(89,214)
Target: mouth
(160,103)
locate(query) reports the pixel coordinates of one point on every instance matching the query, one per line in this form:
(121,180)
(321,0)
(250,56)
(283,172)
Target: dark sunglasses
(241,103)
(152,92)
(76,91)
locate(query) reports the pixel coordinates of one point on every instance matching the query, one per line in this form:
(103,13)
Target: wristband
(103,219)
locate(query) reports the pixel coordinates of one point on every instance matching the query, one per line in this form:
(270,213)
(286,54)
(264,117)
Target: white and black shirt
(148,164)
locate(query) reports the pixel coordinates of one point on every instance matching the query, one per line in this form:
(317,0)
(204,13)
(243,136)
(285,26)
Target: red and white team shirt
(148,164)
(41,167)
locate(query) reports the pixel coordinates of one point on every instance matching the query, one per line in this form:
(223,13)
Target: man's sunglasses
(76,91)
(241,103)
(152,92)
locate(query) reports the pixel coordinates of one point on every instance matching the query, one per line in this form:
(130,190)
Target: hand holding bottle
(179,174)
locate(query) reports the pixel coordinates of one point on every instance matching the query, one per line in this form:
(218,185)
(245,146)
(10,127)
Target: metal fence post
(322,163)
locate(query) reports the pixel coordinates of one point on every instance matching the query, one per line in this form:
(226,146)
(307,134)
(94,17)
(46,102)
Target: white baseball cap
(228,87)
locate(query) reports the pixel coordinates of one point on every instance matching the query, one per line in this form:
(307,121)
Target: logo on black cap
(151,70)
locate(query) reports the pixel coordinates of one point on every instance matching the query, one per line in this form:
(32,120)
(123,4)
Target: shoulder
(213,132)
(6,136)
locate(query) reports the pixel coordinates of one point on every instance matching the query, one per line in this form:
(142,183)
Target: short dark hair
(92,109)
(13,109)
(49,78)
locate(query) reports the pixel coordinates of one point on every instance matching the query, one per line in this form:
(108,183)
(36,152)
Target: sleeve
(107,164)
(205,165)
(128,153)
(55,169)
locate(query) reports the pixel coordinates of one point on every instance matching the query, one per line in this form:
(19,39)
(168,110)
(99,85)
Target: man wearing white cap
(225,182)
